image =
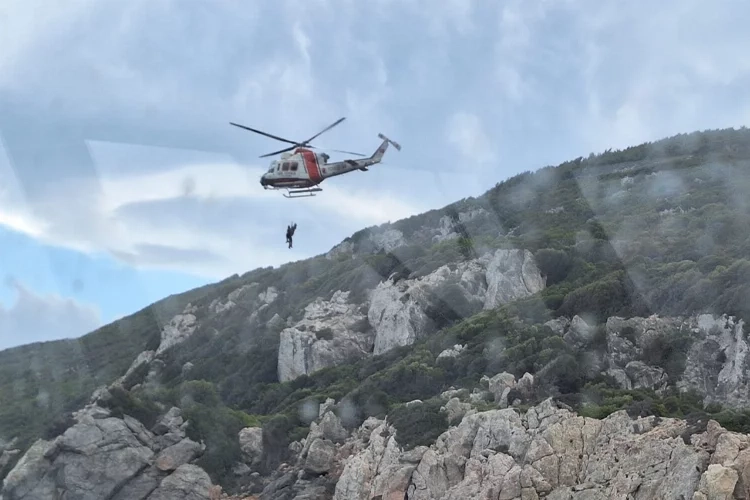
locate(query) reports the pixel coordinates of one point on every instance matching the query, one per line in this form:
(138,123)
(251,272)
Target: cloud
(210,217)
(646,78)
(466,132)
(39,318)
(504,87)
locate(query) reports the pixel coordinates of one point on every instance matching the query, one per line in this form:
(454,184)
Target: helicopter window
(285,166)
(294,166)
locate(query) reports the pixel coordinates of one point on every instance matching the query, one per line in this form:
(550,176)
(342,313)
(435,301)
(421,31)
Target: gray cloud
(90,91)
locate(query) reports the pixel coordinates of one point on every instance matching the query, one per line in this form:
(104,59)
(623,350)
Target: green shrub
(418,424)
(554,264)
(124,402)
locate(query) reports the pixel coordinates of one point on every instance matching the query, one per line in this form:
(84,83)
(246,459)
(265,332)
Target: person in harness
(289,233)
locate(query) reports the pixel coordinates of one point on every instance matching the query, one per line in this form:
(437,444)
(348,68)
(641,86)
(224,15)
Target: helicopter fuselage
(305,169)
(302,168)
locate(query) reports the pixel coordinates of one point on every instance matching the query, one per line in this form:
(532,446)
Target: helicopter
(300,170)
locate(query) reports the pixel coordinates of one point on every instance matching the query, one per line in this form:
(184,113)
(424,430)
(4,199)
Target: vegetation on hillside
(41,383)
(656,228)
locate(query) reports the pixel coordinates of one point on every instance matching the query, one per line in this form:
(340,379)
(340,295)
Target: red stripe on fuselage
(311,163)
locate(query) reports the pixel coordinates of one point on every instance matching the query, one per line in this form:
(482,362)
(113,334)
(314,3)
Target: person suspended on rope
(290,233)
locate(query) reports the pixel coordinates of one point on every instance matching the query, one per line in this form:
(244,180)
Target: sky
(122,182)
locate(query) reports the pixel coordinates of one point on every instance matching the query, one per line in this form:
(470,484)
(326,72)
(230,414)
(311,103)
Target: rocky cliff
(101,456)
(539,341)
(543,451)
(396,312)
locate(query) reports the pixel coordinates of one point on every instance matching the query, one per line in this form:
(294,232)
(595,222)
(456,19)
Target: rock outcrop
(8,452)
(251,444)
(178,329)
(102,456)
(330,333)
(398,308)
(334,332)
(385,239)
(716,363)
(546,452)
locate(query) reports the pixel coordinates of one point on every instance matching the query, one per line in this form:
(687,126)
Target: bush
(418,424)
(276,434)
(554,264)
(565,375)
(217,427)
(58,427)
(669,351)
(324,334)
(123,402)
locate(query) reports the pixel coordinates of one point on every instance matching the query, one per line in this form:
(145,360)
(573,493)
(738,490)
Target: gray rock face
(445,230)
(628,339)
(379,469)
(546,452)
(178,329)
(397,308)
(141,361)
(343,248)
(92,460)
(320,456)
(101,456)
(329,334)
(7,451)
(456,410)
(451,352)
(642,375)
(188,482)
(447,227)
(579,333)
(558,325)
(169,422)
(246,294)
(511,275)
(251,444)
(388,240)
(717,363)
(397,314)
(178,454)
(553,453)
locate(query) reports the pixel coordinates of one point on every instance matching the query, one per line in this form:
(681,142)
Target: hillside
(618,281)
(42,382)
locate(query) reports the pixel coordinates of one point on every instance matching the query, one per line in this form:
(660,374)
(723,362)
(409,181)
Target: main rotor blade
(337,150)
(347,152)
(329,127)
(264,133)
(279,151)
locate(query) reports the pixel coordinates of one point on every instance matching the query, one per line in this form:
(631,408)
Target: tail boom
(345,166)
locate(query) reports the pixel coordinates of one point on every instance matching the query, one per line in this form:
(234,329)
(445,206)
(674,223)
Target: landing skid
(302,193)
